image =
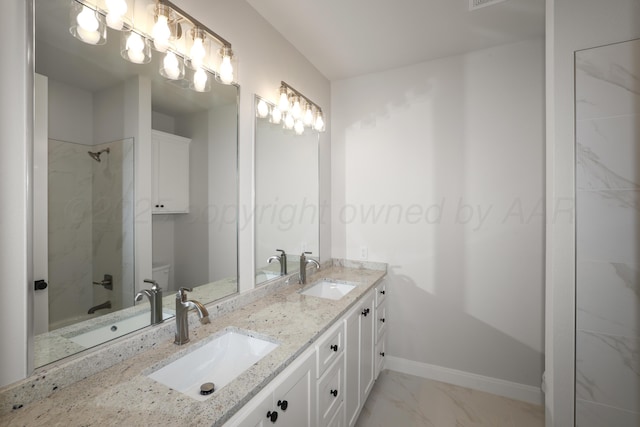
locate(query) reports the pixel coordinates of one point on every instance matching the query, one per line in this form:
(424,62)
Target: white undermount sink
(328,289)
(115,330)
(219,361)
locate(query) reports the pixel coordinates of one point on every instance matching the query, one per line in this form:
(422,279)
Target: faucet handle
(155,286)
(182,293)
(282,252)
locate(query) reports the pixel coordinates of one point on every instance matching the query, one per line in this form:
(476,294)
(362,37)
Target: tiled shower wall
(90,228)
(608,236)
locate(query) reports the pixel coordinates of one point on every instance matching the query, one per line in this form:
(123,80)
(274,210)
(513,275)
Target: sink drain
(206,388)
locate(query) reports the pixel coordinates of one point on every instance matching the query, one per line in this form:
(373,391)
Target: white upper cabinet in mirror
(287,202)
(106,115)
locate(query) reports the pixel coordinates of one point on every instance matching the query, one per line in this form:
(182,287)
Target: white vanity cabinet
(288,401)
(169,173)
(329,383)
(360,357)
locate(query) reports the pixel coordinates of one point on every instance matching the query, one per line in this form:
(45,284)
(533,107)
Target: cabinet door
(298,391)
(257,417)
(170,169)
(352,366)
(367,356)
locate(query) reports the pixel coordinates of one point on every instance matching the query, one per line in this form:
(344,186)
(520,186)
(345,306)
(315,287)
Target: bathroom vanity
(327,357)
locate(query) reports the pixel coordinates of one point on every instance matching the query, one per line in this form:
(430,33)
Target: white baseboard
(497,386)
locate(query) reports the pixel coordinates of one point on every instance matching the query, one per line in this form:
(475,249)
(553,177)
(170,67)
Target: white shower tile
(607,153)
(608,226)
(607,81)
(608,370)
(590,414)
(608,298)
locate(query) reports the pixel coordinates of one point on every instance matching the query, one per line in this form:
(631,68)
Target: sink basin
(115,330)
(219,361)
(328,289)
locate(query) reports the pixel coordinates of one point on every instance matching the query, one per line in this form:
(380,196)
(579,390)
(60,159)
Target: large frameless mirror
(287,201)
(105,125)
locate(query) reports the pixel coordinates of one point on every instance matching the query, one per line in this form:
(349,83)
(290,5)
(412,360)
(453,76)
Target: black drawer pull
(334,347)
(283,404)
(273,416)
(334,393)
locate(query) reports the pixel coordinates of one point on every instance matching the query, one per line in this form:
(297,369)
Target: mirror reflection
(287,201)
(124,150)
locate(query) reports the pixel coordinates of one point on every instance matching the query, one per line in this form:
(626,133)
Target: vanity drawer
(381,320)
(381,292)
(330,388)
(329,348)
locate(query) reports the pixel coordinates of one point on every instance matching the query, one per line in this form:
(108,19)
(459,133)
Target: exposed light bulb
(319,124)
(116,9)
(135,48)
(88,26)
(289,122)
(299,127)
(276,116)
(161,33)
(171,66)
(263,109)
(197,52)
(308,116)
(200,80)
(296,110)
(226,70)
(283,104)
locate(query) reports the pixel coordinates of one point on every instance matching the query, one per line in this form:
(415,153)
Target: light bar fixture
(171,32)
(294,111)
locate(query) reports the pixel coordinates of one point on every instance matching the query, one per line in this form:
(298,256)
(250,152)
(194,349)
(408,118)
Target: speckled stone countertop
(122,394)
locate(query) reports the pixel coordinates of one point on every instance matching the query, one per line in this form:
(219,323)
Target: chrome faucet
(282,259)
(303,267)
(155,299)
(182,310)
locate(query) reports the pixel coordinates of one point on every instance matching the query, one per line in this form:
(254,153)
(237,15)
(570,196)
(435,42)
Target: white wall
(449,155)
(70,113)
(571,25)
(264,59)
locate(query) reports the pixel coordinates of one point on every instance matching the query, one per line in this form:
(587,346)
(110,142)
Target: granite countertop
(122,395)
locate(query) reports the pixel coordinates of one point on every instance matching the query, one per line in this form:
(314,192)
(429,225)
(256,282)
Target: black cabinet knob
(383,292)
(40,285)
(334,347)
(162,206)
(334,393)
(382,353)
(157,206)
(283,404)
(382,320)
(272,416)
(365,312)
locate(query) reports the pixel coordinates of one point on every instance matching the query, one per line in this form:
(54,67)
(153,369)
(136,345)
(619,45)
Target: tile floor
(400,400)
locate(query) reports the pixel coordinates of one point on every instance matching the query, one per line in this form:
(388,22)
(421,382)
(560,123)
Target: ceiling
(347,38)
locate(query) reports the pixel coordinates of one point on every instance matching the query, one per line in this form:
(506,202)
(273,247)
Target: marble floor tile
(408,401)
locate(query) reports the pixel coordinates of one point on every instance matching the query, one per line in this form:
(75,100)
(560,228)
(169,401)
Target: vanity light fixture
(262,109)
(201,81)
(117,14)
(276,116)
(87,24)
(164,32)
(301,112)
(134,47)
(172,66)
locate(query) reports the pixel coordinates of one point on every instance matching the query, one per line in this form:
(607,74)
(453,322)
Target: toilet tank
(161,274)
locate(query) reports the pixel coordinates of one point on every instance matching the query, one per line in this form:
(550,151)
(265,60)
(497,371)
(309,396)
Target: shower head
(95,155)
